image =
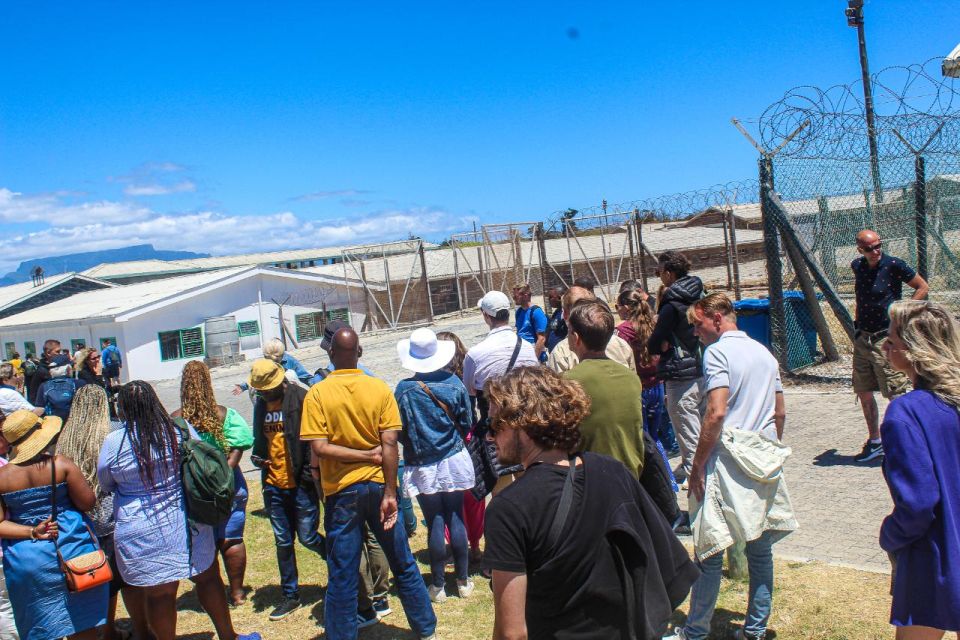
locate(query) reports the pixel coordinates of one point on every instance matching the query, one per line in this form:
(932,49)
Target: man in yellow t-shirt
(290,495)
(353,423)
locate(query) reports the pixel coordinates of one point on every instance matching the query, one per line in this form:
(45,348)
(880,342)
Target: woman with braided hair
(81,440)
(226,429)
(156,545)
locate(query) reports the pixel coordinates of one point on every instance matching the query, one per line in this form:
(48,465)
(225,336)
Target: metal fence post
(828,247)
(640,252)
(426,282)
(920,198)
(733,250)
(771,241)
(544,263)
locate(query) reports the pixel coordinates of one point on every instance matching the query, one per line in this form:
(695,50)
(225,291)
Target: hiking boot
(437,594)
(285,608)
(367,618)
(871,451)
(382,606)
(465,588)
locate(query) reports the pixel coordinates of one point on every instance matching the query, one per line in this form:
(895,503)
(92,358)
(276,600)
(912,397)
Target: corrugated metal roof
(657,237)
(147,267)
(16,293)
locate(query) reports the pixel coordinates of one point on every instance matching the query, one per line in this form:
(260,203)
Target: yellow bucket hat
(28,434)
(266,374)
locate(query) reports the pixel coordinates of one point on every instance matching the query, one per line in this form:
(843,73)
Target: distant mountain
(82,261)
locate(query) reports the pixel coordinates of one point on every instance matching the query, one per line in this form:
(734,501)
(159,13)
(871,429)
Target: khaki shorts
(872,372)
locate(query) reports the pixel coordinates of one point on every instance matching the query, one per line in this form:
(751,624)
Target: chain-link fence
(829,184)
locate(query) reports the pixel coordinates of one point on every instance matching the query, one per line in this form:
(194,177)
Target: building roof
(121,303)
(134,268)
(657,237)
(18,293)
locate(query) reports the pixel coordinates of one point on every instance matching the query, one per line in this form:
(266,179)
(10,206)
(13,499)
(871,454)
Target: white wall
(239,300)
(138,337)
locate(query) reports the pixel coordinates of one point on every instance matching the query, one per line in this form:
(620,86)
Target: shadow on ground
(831,458)
(723,625)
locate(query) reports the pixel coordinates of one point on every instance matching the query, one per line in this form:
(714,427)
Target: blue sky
(234,127)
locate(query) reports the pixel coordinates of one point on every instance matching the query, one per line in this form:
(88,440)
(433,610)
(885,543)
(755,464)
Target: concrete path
(839,503)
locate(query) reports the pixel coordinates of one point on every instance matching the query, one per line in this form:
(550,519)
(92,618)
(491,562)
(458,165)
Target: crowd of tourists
(540,458)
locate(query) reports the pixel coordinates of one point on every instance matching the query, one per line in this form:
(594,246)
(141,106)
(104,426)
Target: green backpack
(208,487)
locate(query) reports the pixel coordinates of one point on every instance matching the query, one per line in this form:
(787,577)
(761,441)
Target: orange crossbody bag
(87,570)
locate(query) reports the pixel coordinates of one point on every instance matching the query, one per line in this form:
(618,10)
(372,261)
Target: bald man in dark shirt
(879,281)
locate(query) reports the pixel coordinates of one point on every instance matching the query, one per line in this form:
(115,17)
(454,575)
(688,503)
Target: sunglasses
(871,248)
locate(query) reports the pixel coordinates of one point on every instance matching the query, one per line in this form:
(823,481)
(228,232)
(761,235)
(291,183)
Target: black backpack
(208,487)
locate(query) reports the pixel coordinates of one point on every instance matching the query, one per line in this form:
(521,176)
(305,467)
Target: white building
(159,325)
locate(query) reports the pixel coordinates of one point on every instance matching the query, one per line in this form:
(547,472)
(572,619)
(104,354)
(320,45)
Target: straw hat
(266,374)
(423,353)
(28,434)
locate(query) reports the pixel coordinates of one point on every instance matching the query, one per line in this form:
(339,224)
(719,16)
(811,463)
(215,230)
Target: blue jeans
(656,422)
(445,511)
(344,516)
(703,596)
(406,506)
(293,513)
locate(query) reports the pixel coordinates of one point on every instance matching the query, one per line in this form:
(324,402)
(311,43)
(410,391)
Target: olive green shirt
(615,424)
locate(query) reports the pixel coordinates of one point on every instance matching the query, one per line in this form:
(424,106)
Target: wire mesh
(832,187)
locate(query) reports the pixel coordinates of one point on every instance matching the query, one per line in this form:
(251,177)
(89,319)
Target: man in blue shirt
(531,321)
(111,362)
(878,282)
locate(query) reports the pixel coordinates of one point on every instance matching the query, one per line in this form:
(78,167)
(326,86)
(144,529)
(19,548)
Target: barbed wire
(913,100)
(664,208)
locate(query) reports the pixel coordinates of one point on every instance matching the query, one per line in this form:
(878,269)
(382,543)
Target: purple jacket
(921,440)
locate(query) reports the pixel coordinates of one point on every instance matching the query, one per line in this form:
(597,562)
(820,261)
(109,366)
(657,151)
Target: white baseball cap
(493,302)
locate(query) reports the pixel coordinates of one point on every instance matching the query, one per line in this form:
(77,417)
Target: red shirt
(647,373)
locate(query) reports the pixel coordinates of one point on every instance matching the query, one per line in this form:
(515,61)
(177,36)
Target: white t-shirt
(750,372)
(490,358)
(11,400)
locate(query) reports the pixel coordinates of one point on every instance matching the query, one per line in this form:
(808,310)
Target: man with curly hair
(560,537)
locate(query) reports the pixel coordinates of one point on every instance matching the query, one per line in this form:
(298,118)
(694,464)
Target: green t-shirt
(236,432)
(615,424)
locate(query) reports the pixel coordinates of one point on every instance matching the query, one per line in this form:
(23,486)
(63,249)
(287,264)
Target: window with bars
(180,344)
(248,328)
(29,348)
(9,348)
(309,326)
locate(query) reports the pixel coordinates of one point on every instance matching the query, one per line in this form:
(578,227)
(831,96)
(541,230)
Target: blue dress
(43,607)
(921,440)
(150,535)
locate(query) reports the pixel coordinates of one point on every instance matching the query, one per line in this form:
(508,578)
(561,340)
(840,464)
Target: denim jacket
(428,434)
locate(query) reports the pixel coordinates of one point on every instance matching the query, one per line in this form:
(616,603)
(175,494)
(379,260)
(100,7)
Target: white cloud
(336,193)
(50,207)
(110,225)
(156,189)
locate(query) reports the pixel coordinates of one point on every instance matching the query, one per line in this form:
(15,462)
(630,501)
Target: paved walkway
(840,504)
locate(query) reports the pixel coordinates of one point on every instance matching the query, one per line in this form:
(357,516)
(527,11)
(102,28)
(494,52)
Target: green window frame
(9,348)
(103,340)
(248,328)
(339,314)
(29,346)
(75,344)
(309,326)
(181,344)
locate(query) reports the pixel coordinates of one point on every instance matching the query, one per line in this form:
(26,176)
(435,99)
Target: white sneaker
(437,594)
(465,588)
(676,634)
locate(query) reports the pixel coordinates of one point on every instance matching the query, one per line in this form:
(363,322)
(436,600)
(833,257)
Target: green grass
(811,600)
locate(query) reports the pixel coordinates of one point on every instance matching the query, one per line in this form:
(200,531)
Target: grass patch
(811,600)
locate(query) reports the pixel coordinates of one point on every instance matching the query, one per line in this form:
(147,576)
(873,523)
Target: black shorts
(111,372)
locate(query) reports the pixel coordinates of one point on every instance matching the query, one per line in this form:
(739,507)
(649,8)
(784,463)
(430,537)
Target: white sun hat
(423,353)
